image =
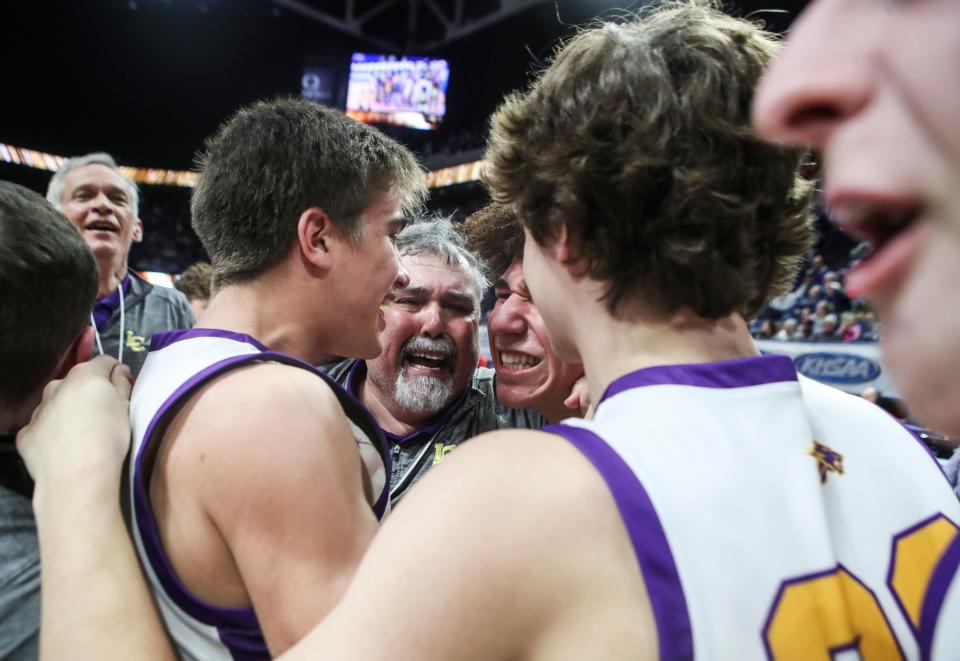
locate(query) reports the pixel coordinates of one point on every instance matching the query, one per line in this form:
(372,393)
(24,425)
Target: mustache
(443,346)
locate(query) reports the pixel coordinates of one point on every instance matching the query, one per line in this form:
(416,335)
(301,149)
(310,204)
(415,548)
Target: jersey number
(817,615)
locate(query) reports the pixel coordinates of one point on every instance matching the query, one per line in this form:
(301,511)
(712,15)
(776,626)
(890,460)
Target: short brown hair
(637,139)
(195,282)
(48,282)
(273,160)
(496,236)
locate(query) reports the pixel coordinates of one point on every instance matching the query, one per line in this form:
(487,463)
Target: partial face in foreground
(545,277)
(430,340)
(99,203)
(871,85)
(529,373)
(371,270)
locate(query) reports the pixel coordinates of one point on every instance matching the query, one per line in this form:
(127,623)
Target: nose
(431,318)
(102,203)
(507,317)
(403,278)
(820,80)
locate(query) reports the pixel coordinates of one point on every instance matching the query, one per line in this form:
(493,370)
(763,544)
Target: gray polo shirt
(147,310)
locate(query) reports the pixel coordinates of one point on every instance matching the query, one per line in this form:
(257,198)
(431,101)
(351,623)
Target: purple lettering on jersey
(648,538)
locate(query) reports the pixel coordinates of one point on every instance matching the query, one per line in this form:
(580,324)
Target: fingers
(122,380)
(99,366)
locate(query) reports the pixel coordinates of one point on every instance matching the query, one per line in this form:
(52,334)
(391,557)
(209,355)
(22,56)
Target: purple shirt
(104,308)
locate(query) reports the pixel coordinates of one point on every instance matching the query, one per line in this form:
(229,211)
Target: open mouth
(513,360)
(875,224)
(426,360)
(102,226)
(890,232)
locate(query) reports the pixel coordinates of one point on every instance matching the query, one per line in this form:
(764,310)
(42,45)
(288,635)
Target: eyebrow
(459,298)
(501,284)
(454,296)
(109,188)
(413,291)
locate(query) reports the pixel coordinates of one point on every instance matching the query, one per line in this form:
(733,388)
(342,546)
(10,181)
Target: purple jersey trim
(649,541)
(916,437)
(231,623)
(739,373)
(943,576)
(166,338)
(238,628)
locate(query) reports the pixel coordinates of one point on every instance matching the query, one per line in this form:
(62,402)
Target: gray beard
(422,394)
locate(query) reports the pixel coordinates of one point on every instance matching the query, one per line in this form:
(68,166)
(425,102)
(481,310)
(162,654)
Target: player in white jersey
(251,503)
(655,221)
(181,363)
(716,507)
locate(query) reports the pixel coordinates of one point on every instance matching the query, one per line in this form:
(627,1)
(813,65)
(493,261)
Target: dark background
(148,80)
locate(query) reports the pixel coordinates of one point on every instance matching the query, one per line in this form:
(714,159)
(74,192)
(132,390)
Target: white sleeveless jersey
(777,518)
(179,363)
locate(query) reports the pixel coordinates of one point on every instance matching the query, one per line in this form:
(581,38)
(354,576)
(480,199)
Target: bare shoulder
(534,547)
(237,425)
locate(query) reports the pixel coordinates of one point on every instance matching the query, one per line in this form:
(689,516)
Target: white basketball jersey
(777,518)
(179,363)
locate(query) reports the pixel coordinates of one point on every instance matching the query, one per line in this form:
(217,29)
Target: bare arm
(74,448)
(512,550)
(269,458)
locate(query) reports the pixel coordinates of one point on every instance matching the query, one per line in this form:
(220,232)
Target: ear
(317,237)
(137,230)
(566,249)
(79,352)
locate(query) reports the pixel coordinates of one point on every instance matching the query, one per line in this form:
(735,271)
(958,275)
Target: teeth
(425,355)
(513,360)
(848,215)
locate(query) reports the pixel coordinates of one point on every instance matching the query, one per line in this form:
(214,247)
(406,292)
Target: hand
(579,398)
(81,427)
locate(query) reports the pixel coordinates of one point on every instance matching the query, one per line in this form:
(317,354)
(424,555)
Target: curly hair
(196,282)
(495,235)
(637,139)
(274,159)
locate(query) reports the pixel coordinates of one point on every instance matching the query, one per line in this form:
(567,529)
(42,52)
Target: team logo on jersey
(137,343)
(441,450)
(828,461)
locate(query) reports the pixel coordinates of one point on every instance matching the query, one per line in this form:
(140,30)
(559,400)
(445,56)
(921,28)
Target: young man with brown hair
(251,505)
(529,373)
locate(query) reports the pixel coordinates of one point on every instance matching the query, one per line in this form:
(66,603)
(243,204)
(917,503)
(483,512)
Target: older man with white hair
(425,389)
(103,205)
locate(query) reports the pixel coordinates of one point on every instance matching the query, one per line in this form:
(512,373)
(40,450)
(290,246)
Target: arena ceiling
(407,25)
(149,80)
